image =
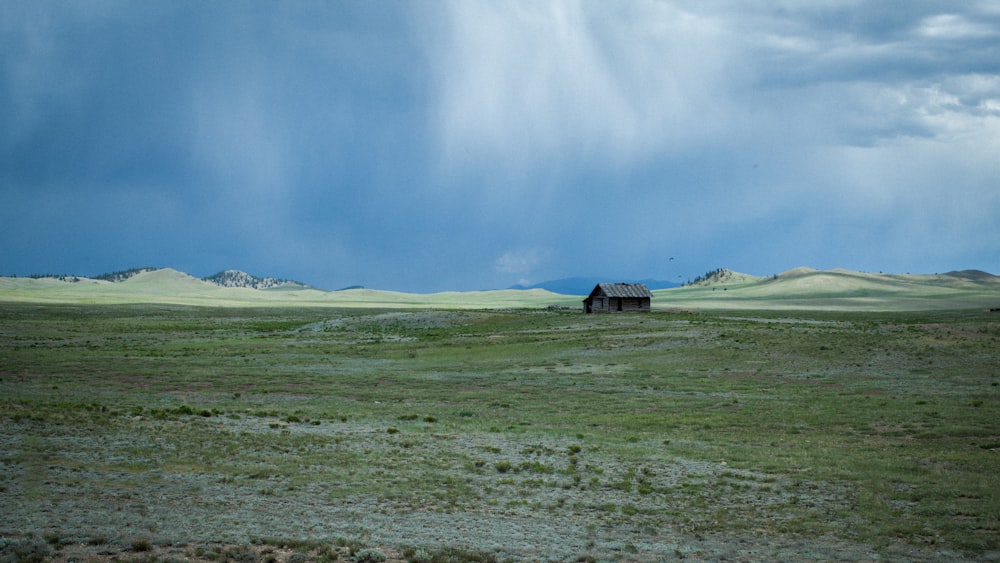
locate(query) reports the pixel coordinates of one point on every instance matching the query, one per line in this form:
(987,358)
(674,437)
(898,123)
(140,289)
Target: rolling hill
(236,278)
(169,286)
(799,288)
(806,288)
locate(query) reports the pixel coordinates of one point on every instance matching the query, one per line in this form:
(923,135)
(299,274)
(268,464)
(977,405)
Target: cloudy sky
(427,146)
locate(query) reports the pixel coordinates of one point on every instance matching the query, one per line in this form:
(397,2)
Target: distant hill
(807,288)
(974,275)
(167,280)
(236,278)
(584,285)
(724,276)
(123,275)
(722,289)
(169,286)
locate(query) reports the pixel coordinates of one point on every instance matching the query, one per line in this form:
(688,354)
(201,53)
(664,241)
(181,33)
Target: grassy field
(158,432)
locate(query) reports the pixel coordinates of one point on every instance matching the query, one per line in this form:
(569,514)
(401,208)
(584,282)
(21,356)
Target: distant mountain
(584,285)
(236,278)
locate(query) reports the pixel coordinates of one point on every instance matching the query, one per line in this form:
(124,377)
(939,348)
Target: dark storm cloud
(473,144)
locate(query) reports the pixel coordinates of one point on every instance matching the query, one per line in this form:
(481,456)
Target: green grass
(854,433)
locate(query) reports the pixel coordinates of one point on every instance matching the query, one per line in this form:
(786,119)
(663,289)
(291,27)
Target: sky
(467,145)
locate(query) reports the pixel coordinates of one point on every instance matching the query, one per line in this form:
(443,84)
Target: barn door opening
(620,303)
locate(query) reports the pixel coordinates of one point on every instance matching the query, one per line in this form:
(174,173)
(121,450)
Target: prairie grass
(508,434)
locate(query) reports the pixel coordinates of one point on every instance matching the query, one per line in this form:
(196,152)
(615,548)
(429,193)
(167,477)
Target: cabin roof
(622,290)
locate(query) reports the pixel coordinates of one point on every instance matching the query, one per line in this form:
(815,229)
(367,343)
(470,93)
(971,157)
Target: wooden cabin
(618,298)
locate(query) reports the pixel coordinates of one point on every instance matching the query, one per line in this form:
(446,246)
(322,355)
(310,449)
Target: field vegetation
(157,432)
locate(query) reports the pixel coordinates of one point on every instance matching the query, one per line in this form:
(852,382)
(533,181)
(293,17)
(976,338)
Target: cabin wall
(633,305)
(600,304)
(596,304)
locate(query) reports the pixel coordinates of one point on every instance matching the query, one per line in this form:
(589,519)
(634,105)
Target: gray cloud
(475,144)
(529,84)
